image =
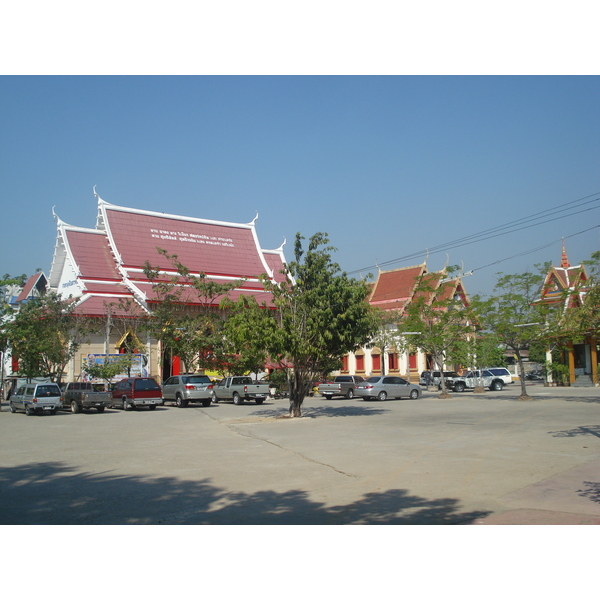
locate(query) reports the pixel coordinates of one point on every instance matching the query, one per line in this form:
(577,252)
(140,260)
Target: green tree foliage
(193,335)
(321,315)
(513,316)
(45,335)
(248,333)
(439,320)
(585,319)
(478,352)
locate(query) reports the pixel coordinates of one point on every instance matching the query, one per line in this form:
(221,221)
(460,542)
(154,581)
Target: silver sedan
(387,387)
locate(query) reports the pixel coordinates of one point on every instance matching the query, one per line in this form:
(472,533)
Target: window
(48,390)
(360,362)
(143,385)
(376,362)
(393,361)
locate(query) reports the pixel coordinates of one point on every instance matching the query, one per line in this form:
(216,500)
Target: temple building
(565,286)
(102,269)
(392,292)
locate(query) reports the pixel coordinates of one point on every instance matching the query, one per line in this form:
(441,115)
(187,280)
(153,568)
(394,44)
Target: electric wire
(510,227)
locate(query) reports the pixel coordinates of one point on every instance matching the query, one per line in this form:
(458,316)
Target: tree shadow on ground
(592,492)
(53,493)
(583,430)
(589,399)
(313,412)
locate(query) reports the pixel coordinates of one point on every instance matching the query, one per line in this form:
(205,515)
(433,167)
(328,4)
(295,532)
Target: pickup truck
(473,379)
(239,389)
(80,394)
(342,385)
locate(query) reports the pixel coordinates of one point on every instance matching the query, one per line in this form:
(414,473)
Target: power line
(534,249)
(499,230)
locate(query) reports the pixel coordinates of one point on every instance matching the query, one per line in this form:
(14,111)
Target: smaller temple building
(565,287)
(392,292)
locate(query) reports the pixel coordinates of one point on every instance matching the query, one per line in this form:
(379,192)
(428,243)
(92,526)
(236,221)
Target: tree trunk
(524,395)
(295,407)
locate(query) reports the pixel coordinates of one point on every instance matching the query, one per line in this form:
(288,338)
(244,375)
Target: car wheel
(29,411)
(459,387)
(259,400)
(414,394)
(237,398)
(214,398)
(75,407)
(100,408)
(179,401)
(126,405)
(152,406)
(206,403)
(496,386)
(382,396)
(12,408)
(350,393)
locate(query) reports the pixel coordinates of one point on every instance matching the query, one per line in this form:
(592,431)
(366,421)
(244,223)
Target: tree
(194,336)
(321,315)
(477,352)
(248,333)
(45,335)
(440,319)
(514,316)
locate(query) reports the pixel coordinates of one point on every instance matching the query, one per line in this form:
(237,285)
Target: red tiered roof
(108,262)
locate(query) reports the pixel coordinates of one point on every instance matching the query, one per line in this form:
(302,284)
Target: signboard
(139,366)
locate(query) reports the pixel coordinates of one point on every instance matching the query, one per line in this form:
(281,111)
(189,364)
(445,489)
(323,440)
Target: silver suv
(36,398)
(183,389)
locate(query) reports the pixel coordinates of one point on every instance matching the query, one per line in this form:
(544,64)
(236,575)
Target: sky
(395,169)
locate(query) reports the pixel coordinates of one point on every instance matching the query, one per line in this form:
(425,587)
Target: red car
(132,392)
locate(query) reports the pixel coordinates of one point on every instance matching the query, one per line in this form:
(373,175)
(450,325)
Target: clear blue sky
(387,166)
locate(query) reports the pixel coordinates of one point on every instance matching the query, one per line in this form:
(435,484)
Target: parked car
(132,392)
(36,398)
(473,379)
(79,395)
(387,387)
(239,389)
(534,376)
(342,385)
(502,373)
(428,378)
(183,389)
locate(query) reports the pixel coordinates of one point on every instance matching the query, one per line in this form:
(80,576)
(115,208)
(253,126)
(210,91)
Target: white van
(37,397)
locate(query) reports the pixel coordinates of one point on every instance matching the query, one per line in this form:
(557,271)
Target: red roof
(393,289)
(108,262)
(92,254)
(276,263)
(96,305)
(215,249)
(32,282)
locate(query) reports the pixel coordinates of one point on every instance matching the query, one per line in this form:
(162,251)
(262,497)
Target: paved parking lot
(471,459)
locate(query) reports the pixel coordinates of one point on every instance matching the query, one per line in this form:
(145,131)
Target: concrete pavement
(471,459)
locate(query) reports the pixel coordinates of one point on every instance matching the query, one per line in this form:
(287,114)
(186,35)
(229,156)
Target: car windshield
(48,390)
